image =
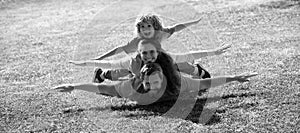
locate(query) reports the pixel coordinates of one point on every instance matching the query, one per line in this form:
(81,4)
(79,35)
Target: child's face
(147,30)
(148,52)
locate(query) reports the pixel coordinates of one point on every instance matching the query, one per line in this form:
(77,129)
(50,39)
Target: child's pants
(115,74)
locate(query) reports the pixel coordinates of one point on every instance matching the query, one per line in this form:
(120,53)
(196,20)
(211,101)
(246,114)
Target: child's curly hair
(152,18)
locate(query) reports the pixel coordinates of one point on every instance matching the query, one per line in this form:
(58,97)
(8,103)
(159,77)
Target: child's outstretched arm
(110,53)
(93,63)
(217,51)
(112,64)
(181,26)
(191,56)
(130,47)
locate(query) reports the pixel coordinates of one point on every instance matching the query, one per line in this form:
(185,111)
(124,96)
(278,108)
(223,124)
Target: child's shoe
(97,76)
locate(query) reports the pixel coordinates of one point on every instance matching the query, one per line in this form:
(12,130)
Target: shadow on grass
(159,109)
(79,110)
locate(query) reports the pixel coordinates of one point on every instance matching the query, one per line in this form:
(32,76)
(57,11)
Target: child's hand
(198,20)
(78,63)
(64,88)
(244,77)
(222,49)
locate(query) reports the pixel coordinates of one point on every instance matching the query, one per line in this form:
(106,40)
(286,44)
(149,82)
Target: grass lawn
(38,38)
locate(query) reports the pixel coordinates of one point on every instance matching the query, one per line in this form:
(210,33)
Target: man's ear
(161,75)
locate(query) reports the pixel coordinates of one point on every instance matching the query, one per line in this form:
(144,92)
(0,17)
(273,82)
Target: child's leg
(113,74)
(194,70)
(186,68)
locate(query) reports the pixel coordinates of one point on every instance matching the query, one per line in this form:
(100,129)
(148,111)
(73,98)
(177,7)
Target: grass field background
(38,38)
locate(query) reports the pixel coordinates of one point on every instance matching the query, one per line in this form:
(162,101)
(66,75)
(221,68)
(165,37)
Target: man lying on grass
(153,85)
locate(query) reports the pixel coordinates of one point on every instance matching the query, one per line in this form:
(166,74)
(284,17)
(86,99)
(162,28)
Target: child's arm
(113,64)
(110,53)
(167,32)
(181,26)
(130,47)
(190,56)
(102,63)
(218,51)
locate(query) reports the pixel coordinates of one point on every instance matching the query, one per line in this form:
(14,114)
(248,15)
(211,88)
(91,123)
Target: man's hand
(222,49)
(64,88)
(244,77)
(78,63)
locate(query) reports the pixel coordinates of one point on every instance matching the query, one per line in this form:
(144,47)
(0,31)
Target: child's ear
(138,29)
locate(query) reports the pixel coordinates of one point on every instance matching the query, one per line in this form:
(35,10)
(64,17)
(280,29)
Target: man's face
(147,30)
(148,52)
(153,81)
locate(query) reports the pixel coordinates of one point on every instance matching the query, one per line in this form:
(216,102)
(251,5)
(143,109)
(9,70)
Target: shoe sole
(206,74)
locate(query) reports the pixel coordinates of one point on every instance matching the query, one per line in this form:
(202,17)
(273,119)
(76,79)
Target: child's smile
(148,52)
(147,30)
